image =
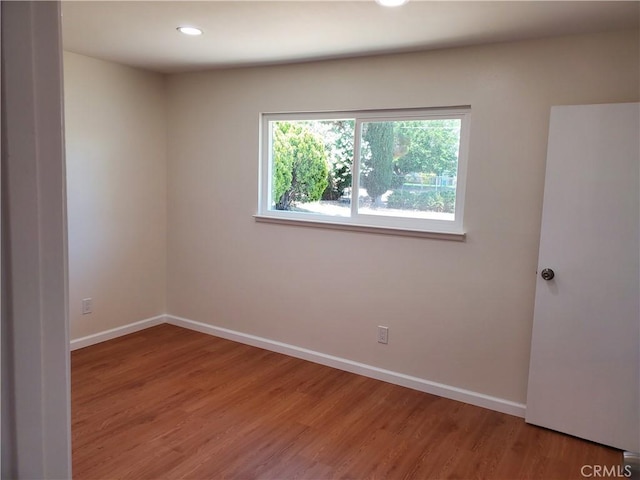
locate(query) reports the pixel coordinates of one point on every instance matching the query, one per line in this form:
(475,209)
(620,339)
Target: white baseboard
(116,332)
(396,378)
(442,390)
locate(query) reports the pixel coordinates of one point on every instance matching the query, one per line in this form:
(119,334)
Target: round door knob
(547,274)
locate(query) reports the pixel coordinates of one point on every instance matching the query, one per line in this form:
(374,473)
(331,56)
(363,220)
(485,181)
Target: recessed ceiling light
(189,30)
(391,3)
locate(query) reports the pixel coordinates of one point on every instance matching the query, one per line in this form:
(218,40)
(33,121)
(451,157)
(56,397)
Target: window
(398,170)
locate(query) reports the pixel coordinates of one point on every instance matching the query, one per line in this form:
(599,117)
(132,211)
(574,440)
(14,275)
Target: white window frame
(448,229)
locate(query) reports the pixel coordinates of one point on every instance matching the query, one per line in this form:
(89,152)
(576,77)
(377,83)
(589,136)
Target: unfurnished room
(320,239)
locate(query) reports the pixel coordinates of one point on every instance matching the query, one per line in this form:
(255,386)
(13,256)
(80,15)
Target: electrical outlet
(87,305)
(383,334)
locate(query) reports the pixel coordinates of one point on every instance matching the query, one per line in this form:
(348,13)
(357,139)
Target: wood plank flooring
(168,403)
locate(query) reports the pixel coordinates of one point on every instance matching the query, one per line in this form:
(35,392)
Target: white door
(584,374)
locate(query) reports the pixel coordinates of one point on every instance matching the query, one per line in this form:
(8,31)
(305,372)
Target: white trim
(446,391)
(380,114)
(355,170)
(35,367)
(404,232)
(415,383)
(394,223)
(116,332)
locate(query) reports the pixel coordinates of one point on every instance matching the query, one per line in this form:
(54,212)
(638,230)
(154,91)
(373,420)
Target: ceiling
(244,33)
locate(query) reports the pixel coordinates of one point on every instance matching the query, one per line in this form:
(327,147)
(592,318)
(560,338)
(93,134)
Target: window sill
(403,232)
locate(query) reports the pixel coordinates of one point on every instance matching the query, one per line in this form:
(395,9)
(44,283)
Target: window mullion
(355,169)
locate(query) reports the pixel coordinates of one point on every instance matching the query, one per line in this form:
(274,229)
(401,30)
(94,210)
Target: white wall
(458,313)
(116,174)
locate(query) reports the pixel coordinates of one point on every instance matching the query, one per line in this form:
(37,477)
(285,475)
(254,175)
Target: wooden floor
(171,403)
